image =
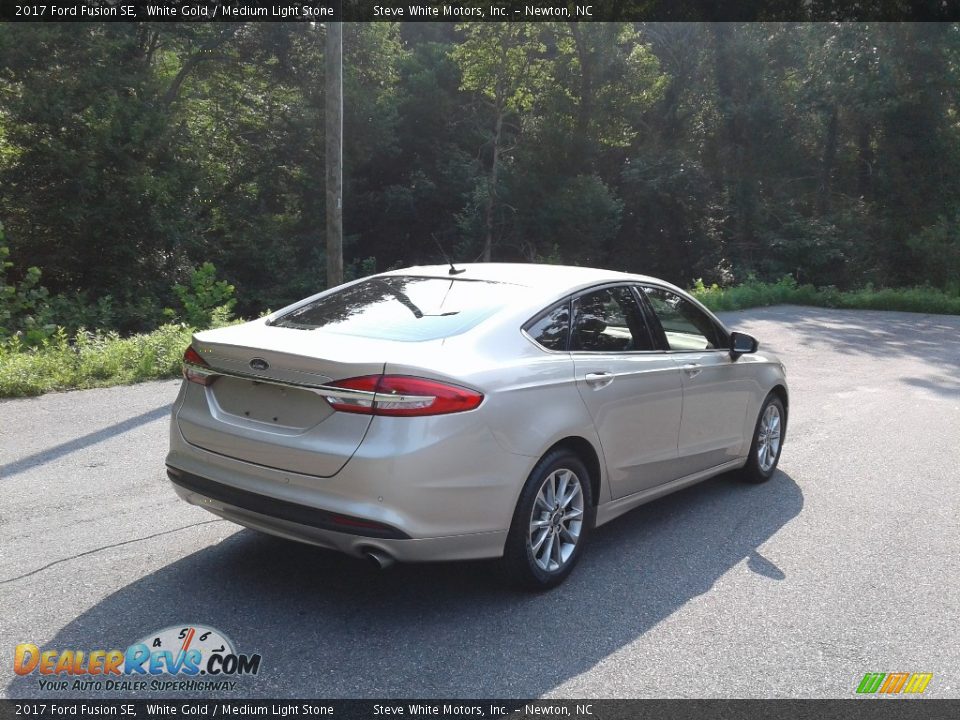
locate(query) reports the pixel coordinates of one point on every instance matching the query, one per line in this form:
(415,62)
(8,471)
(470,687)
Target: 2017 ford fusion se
(487,411)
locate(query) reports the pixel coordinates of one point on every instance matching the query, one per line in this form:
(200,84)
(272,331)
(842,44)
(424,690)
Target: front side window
(609,320)
(685,325)
(403,308)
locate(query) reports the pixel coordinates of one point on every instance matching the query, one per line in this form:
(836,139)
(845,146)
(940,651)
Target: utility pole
(333,61)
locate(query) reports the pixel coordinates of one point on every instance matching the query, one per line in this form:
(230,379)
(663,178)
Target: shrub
(937,248)
(37,358)
(23,305)
(203,296)
(90,359)
(754,293)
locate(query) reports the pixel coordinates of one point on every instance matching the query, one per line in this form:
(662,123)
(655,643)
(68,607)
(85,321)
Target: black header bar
(484,10)
(192,709)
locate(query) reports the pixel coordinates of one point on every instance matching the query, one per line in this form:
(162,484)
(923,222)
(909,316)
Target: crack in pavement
(106,547)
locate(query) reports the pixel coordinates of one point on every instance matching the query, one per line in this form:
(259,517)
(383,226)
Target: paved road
(848,561)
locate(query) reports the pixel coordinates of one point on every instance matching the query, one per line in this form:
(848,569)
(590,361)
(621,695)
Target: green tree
(503,64)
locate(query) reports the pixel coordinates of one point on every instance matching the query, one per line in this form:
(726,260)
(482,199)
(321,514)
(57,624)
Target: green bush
(24,305)
(937,249)
(90,359)
(359,268)
(37,356)
(204,296)
(753,293)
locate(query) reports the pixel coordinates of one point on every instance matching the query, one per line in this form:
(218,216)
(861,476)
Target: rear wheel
(767,443)
(550,522)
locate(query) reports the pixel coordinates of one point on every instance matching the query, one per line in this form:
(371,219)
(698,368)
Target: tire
(544,544)
(768,436)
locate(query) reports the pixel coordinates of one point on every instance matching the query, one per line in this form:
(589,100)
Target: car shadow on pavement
(330,626)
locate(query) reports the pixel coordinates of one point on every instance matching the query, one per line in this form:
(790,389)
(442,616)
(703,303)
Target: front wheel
(550,522)
(767,443)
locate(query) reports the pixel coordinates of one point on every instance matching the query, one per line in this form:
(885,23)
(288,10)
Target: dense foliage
(131,154)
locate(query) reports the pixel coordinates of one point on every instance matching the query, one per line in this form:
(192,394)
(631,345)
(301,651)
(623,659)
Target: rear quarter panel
(531,400)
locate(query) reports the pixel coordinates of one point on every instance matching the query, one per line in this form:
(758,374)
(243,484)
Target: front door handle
(599,380)
(692,370)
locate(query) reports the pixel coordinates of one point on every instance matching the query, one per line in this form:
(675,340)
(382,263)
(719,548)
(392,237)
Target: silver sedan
(483,411)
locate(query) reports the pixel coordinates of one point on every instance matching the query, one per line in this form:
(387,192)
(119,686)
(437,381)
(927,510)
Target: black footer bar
(486,709)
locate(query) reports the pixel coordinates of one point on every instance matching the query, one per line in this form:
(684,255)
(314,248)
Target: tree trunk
(827,163)
(334,152)
(864,161)
(492,188)
(581,140)
(732,172)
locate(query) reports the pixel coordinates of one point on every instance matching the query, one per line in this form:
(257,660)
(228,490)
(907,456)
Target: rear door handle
(599,380)
(692,370)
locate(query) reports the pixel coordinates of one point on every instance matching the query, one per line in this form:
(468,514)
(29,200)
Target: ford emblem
(259,364)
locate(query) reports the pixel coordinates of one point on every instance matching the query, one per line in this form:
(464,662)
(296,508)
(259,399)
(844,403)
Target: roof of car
(532,275)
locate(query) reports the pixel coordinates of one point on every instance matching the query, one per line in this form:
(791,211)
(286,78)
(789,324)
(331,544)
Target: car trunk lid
(268,407)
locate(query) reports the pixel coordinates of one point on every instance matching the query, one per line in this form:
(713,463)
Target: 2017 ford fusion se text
(485,411)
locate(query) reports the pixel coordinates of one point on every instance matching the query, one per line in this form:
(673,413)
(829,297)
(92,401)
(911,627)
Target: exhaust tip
(379,558)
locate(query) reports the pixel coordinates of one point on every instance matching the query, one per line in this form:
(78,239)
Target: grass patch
(753,293)
(90,359)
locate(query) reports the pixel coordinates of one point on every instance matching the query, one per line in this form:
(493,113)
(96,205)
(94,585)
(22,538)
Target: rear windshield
(403,308)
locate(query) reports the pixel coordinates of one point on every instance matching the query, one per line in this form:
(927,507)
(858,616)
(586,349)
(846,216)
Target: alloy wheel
(768,438)
(556,520)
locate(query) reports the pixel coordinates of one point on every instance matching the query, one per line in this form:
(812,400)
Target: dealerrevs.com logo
(180,657)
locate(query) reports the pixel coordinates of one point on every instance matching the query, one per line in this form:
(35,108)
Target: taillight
(359,402)
(196,369)
(402,396)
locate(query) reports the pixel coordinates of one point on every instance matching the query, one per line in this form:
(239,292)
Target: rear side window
(403,308)
(552,328)
(609,320)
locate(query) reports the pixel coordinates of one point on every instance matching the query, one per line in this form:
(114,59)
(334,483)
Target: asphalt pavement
(846,562)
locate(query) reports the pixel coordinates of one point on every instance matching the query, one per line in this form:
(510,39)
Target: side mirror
(741,344)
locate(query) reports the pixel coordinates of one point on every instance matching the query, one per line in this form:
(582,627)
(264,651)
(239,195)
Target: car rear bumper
(315,531)
(416,493)
(210,491)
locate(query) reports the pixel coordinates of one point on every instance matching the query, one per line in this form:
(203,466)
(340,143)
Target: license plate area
(282,406)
